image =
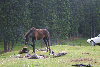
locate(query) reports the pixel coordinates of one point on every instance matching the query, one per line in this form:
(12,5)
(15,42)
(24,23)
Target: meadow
(73,52)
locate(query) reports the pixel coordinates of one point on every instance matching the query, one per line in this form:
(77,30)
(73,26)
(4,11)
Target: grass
(73,52)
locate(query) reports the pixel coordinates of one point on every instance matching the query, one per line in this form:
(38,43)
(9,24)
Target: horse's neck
(27,34)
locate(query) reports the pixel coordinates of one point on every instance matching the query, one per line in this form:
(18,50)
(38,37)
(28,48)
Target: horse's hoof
(49,51)
(33,52)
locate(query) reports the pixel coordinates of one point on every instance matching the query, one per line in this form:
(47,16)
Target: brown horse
(37,34)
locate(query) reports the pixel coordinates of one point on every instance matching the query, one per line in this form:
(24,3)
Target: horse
(37,34)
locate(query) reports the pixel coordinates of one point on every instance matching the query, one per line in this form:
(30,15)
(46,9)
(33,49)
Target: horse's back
(41,33)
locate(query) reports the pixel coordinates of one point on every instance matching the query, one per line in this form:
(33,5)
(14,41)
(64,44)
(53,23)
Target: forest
(62,18)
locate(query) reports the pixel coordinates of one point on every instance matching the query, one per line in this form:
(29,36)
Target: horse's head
(28,35)
(26,41)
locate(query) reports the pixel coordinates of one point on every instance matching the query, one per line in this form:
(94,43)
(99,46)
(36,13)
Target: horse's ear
(31,30)
(34,28)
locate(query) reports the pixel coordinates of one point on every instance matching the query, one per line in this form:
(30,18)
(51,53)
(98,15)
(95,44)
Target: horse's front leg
(33,47)
(34,44)
(33,40)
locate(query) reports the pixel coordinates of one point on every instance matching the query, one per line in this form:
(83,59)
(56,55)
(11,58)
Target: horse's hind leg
(46,44)
(49,46)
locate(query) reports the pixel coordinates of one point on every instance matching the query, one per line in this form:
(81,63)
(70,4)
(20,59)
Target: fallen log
(79,65)
(81,60)
(59,54)
(35,56)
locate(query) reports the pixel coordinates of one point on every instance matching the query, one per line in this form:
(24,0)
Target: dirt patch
(85,53)
(74,60)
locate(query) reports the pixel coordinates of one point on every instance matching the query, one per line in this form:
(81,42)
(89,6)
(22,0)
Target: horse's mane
(28,32)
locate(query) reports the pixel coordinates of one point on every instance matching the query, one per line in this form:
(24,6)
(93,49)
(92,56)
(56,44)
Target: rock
(18,56)
(12,57)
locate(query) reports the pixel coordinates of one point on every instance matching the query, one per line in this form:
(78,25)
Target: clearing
(75,55)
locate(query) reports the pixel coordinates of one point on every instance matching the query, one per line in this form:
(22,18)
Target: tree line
(61,18)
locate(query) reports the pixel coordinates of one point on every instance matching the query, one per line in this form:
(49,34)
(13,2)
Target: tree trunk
(12,46)
(63,42)
(51,40)
(42,44)
(59,42)
(5,46)
(94,30)
(9,46)
(56,40)
(91,29)
(77,34)
(70,37)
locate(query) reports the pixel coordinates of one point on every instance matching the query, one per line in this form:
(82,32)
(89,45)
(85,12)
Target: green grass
(78,42)
(73,52)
